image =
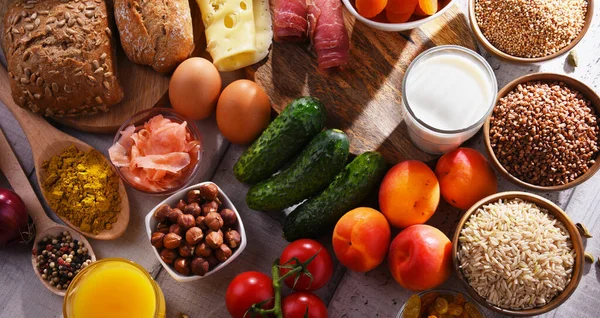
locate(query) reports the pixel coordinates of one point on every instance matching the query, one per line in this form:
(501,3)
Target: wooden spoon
(43,225)
(47,142)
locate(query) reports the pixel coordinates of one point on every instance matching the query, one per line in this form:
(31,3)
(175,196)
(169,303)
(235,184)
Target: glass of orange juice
(114,287)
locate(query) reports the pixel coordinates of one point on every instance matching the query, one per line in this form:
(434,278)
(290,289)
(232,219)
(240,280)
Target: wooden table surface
(348,294)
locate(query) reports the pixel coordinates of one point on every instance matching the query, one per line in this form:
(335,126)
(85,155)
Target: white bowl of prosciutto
(396,15)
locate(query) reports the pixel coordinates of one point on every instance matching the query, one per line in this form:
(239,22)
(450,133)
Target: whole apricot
(409,194)
(361,239)
(420,257)
(465,177)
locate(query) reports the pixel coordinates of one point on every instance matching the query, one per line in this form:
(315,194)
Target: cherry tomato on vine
(321,268)
(246,289)
(295,305)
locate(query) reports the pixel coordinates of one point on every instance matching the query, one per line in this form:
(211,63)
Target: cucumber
(317,165)
(297,124)
(319,214)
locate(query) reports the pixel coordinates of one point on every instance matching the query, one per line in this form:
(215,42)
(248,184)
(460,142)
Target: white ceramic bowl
(151,224)
(394,27)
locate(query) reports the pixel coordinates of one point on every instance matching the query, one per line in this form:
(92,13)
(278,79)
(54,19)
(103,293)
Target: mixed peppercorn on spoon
(47,232)
(48,142)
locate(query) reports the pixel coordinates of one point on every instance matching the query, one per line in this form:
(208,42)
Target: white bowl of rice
(518,254)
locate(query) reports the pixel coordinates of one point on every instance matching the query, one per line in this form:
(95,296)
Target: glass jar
(440,292)
(114,287)
(447,108)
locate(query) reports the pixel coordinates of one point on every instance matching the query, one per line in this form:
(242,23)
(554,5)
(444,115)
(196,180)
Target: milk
(448,92)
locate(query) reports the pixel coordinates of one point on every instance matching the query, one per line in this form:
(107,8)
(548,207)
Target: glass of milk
(447,93)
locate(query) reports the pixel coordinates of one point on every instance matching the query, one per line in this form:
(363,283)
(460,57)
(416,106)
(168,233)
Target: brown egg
(194,88)
(243,112)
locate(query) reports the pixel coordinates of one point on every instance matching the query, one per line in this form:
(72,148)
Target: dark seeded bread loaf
(158,33)
(60,56)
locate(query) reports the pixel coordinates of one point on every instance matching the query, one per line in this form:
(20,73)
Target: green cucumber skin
(319,214)
(287,134)
(311,172)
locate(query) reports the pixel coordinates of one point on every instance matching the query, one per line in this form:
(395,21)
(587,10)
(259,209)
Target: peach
(361,239)
(420,257)
(465,177)
(409,194)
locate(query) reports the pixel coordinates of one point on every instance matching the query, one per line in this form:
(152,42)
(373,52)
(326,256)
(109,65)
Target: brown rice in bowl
(515,254)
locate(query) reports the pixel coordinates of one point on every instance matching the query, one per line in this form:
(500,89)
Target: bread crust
(158,33)
(61,57)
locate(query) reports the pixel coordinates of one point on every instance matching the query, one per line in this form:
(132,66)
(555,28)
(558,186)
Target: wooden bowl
(586,91)
(505,56)
(559,215)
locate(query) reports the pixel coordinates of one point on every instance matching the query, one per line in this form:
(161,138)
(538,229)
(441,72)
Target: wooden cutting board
(364,98)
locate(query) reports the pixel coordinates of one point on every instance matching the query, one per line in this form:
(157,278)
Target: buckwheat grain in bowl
(544,133)
(530,30)
(518,253)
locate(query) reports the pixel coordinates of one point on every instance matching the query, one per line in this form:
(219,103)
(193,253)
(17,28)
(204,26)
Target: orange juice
(114,288)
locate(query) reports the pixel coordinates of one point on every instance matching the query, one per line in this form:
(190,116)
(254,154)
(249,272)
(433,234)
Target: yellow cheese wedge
(238,32)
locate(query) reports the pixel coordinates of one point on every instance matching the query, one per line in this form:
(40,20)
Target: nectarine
(465,177)
(409,194)
(361,239)
(420,257)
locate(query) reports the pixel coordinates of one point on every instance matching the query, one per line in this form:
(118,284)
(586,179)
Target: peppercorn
(57,266)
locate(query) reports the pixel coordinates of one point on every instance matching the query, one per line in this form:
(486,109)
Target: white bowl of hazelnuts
(195,232)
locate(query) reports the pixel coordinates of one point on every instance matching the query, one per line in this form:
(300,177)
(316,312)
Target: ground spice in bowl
(82,187)
(544,133)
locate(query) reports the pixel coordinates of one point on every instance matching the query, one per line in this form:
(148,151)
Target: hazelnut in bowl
(195,232)
(543,132)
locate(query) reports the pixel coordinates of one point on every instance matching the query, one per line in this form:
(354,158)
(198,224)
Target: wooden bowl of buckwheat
(530,31)
(543,133)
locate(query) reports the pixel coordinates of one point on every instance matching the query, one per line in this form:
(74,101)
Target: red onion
(14,221)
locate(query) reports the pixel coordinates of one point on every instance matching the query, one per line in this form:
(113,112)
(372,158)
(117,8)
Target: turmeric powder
(83,188)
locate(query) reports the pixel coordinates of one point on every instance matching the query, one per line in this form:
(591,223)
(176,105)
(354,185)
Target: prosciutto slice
(156,155)
(328,33)
(289,21)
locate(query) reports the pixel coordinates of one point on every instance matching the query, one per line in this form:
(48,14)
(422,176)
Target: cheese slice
(238,32)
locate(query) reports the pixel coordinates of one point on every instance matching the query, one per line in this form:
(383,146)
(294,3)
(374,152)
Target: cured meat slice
(289,21)
(157,155)
(328,33)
